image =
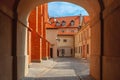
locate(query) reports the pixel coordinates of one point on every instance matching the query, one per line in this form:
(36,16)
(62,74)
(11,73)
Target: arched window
(72,22)
(57,23)
(63,23)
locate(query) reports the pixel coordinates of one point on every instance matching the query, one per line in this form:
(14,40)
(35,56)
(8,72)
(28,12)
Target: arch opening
(39,43)
(23,17)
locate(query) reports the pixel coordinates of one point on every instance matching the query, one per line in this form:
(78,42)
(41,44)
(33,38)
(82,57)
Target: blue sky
(60,9)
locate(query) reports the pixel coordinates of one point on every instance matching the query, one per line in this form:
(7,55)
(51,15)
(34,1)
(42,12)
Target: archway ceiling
(25,6)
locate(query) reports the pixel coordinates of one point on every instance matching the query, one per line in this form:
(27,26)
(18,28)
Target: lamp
(81,20)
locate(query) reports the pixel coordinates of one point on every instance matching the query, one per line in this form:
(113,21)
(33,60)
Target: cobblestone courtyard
(59,69)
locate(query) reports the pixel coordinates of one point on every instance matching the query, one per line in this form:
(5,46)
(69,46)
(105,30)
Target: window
(87,48)
(57,23)
(59,40)
(62,31)
(72,30)
(64,40)
(79,49)
(72,22)
(87,33)
(63,23)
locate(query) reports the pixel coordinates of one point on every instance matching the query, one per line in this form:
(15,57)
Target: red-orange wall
(37,22)
(35,40)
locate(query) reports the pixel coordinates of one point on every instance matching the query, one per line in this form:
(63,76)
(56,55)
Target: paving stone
(59,69)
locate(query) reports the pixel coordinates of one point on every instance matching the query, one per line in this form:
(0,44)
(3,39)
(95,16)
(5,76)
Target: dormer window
(72,22)
(57,23)
(55,20)
(63,23)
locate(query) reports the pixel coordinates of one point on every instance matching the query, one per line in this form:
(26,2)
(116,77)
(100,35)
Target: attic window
(63,23)
(57,23)
(72,22)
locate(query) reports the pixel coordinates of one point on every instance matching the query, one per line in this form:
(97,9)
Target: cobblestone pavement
(59,69)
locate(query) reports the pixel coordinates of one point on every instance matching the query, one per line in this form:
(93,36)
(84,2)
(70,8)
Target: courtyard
(66,68)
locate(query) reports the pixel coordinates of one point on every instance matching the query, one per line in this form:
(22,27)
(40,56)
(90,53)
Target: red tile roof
(52,24)
(66,19)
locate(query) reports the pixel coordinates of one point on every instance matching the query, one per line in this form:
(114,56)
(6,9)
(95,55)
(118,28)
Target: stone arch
(92,6)
(26,6)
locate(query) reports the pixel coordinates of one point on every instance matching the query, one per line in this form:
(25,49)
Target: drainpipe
(80,19)
(101,3)
(80,22)
(14,40)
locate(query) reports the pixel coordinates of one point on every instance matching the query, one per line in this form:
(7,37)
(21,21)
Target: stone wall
(5,49)
(111,56)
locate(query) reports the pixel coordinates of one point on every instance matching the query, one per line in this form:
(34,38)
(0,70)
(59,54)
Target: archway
(88,5)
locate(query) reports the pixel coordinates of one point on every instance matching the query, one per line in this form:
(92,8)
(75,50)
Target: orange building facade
(38,46)
(66,27)
(83,39)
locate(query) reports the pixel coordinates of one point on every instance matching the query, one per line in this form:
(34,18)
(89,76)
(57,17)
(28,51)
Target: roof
(68,19)
(67,28)
(49,26)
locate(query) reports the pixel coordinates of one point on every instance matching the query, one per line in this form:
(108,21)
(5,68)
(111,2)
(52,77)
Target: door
(83,51)
(63,52)
(51,52)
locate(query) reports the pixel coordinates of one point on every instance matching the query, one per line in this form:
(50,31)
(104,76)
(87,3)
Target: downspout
(81,19)
(101,3)
(14,40)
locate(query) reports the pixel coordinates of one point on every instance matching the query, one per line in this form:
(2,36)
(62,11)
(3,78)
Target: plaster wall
(51,35)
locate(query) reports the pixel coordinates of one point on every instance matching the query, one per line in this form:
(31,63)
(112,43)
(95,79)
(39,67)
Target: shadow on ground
(53,78)
(64,69)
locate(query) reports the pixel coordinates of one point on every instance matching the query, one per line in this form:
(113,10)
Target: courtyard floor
(59,69)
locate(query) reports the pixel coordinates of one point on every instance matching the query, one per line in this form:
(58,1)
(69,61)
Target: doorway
(51,52)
